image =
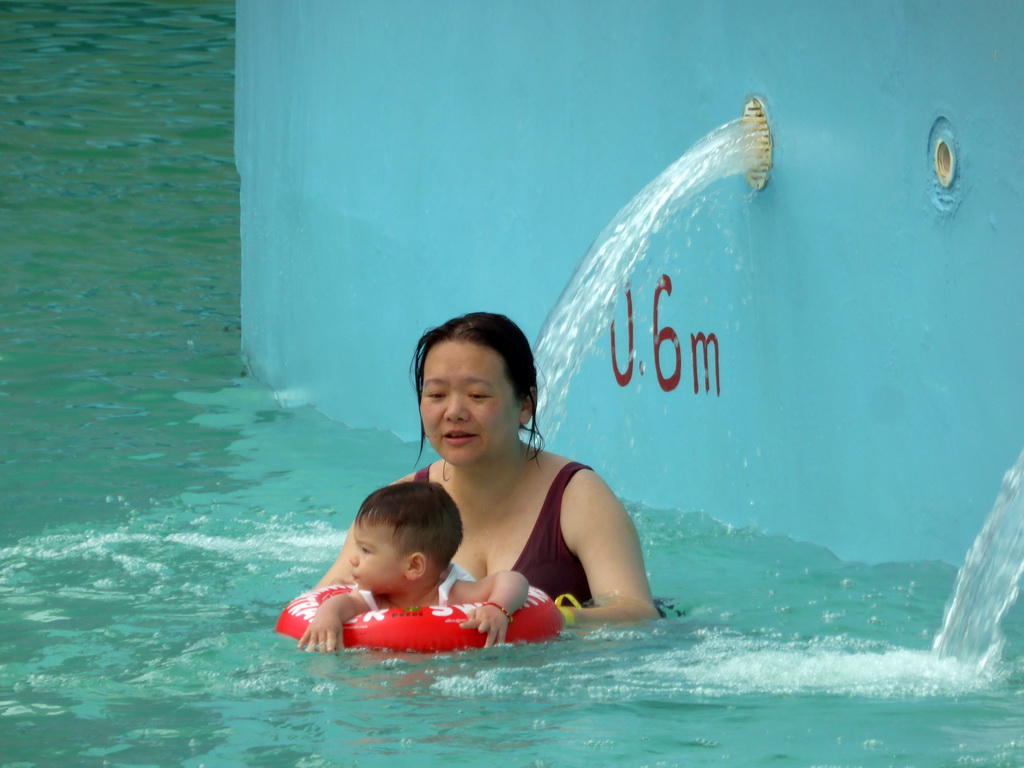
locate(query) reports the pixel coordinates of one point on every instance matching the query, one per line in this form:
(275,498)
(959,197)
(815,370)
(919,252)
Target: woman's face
(469,409)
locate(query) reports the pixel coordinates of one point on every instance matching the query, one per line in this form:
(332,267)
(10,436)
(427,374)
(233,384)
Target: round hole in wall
(945,163)
(945,167)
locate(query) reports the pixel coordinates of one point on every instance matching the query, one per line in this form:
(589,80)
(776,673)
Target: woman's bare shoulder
(550,463)
(587,487)
(408,478)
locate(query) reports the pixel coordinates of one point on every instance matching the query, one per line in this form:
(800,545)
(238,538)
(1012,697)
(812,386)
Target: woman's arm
(597,528)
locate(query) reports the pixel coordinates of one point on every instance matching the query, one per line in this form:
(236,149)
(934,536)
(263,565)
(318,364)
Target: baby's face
(377,565)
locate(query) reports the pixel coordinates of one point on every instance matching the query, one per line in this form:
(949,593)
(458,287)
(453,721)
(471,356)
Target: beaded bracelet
(507,614)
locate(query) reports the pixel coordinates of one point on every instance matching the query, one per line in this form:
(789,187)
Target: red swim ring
(423,630)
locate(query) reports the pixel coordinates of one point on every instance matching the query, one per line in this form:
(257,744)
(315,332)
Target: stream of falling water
(588,301)
(987,585)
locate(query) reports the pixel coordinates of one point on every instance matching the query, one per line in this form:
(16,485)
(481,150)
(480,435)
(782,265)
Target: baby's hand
(490,619)
(324,636)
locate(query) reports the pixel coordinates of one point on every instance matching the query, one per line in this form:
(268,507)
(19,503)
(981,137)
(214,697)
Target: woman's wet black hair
(495,332)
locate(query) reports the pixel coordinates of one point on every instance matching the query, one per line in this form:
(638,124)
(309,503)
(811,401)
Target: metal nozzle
(753,115)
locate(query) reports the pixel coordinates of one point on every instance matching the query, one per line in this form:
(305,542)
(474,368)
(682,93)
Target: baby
(406,535)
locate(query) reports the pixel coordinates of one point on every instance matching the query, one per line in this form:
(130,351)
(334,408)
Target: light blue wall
(405,162)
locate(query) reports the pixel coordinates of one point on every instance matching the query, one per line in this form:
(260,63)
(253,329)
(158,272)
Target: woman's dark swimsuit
(546,561)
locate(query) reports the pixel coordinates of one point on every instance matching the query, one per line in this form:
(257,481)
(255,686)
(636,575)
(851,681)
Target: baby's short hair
(423,516)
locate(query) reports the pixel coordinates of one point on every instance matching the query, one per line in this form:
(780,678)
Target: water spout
(761,157)
(585,307)
(987,585)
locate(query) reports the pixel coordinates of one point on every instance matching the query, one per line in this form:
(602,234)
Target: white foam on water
(725,665)
(833,665)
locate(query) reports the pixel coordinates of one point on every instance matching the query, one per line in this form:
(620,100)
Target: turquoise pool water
(159,508)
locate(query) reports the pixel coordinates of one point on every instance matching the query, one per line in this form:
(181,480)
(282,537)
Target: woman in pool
(523,509)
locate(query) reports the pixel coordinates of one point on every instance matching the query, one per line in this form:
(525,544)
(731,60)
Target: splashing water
(987,584)
(588,301)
